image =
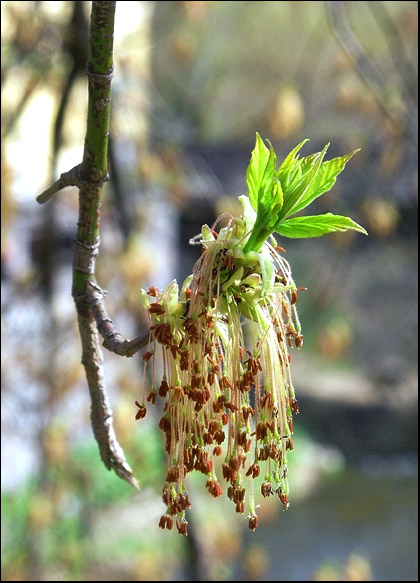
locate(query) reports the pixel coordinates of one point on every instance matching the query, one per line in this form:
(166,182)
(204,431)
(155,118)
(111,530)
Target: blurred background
(193,83)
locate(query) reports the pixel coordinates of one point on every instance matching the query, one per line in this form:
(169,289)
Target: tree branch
(89,177)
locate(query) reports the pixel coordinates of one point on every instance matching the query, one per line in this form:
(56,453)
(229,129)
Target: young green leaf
(265,193)
(297,190)
(260,172)
(290,166)
(323,180)
(316,226)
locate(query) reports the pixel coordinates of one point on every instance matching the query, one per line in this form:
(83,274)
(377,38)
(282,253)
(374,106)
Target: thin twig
(368,72)
(110,450)
(113,340)
(69,178)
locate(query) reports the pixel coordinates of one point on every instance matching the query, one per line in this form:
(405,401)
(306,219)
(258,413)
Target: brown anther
(289,444)
(213,427)
(299,341)
(256,471)
(184,361)
(226,383)
(147,356)
(253,522)
(242,438)
(182,526)
(188,293)
(153,291)
(217,450)
(246,412)
(240,507)
(267,398)
(227,472)
(178,392)
(166,496)
(284,499)
(151,397)
(184,502)
(214,488)
(163,389)
(293,297)
(262,430)
(235,463)
(172,475)
(238,495)
(156,309)
(266,489)
(164,424)
(162,333)
(278,248)
(141,412)
(264,454)
(294,405)
(208,439)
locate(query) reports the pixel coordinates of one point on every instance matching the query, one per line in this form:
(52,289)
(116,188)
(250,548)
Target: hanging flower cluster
(224,342)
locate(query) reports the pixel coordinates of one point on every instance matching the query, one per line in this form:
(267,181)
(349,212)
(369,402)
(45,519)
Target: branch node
(100,77)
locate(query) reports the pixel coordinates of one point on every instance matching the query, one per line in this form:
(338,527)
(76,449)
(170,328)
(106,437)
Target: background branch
(89,176)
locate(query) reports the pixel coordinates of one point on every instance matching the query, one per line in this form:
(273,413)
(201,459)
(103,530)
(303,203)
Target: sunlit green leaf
(296,191)
(316,226)
(260,172)
(323,180)
(289,167)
